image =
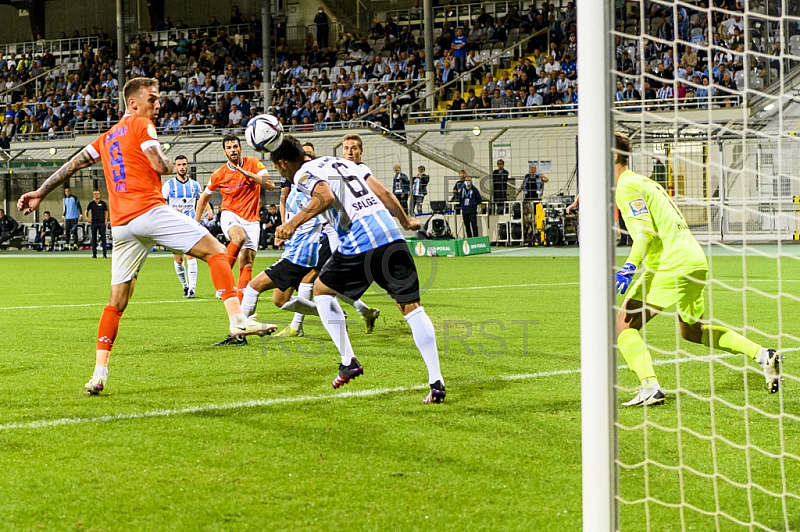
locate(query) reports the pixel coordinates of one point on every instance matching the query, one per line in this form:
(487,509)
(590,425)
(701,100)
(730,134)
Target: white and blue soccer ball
(264,133)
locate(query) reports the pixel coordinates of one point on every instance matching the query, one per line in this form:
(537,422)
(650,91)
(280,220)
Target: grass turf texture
(497,455)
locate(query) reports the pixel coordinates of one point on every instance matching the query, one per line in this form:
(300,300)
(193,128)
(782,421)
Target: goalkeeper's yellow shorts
(664,289)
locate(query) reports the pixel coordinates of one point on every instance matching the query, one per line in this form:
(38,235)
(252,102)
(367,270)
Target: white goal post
(595,174)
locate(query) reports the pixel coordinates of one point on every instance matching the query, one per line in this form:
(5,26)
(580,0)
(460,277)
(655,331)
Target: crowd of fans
(693,56)
(210,79)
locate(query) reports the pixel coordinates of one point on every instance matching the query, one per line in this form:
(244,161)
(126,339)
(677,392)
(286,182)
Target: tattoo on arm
(79,162)
(159,160)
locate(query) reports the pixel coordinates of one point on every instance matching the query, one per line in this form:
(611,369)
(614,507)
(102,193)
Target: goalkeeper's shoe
(95,385)
(647,397)
(191,294)
(232,340)
(436,394)
(347,373)
(185,291)
(218,294)
(288,332)
(772,369)
(370,320)
(251,326)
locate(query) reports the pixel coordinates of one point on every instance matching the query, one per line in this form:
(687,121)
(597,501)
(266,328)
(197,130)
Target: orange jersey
(134,187)
(240,195)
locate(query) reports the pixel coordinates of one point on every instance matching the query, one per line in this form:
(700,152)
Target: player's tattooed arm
(159,160)
(28,202)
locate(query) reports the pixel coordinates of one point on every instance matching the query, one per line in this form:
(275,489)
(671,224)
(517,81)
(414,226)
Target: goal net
(706,95)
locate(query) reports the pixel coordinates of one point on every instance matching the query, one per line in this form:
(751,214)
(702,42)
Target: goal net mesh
(706,94)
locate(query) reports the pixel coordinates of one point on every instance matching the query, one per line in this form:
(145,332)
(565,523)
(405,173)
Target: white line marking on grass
(200,409)
(188,301)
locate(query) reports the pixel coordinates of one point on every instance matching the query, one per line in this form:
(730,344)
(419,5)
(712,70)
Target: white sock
(192,267)
(301,305)
(249,300)
(179,269)
(332,317)
(101,371)
(425,338)
(358,305)
(304,291)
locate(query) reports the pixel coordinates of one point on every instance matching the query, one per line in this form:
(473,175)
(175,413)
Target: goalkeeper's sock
(730,341)
(425,337)
(191,266)
(333,319)
(233,253)
(636,354)
(358,305)
(303,291)
(181,271)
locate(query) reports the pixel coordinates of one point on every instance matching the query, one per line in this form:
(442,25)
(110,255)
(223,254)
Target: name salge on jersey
(369,202)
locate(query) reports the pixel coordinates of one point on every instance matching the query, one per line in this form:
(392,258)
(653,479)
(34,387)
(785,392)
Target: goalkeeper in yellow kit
(675,273)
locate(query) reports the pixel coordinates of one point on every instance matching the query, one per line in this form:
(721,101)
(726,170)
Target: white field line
(135,303)
(255,403)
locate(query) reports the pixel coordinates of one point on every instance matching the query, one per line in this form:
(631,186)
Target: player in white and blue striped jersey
(372,249)
(328,243)
(301,255)
(181,194)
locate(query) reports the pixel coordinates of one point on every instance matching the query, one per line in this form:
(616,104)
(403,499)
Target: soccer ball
(264,133)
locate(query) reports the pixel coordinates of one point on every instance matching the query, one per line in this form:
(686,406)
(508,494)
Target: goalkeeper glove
(625,276)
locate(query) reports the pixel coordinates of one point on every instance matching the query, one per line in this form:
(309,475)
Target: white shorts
(133,241)
(251,229)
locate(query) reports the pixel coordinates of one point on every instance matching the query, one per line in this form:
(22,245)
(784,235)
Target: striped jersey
(303,247)
(362,221)
(182,196)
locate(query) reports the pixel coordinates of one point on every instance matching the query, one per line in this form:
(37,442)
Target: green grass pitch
(193,437)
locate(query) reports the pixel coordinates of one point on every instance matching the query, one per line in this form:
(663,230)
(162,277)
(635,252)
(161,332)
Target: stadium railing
(58,47)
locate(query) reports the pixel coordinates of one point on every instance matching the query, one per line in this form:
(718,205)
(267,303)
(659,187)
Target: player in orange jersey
(133,163)
(239,181)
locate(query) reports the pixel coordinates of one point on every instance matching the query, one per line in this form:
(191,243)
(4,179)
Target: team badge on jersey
(638,206)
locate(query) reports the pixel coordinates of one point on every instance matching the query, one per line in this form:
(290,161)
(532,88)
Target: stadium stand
(500,60)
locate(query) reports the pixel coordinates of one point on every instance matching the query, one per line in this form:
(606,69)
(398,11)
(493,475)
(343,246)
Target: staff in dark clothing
(470,198)
(97,214)
(8,227)
(51,228)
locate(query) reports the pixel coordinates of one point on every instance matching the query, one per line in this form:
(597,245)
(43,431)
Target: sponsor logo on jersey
(151,130)
(638,206)
(304,178)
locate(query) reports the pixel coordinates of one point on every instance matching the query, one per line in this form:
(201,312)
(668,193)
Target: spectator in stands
(534,99)
(5,141)
(459,46)
(323,27)
(499,188)
(490,85)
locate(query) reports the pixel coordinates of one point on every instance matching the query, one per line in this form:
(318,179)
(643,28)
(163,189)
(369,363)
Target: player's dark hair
(182,158)
(622,148)
(290,150)
(230,137)
(136,84)
(46,212)
(309,144)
